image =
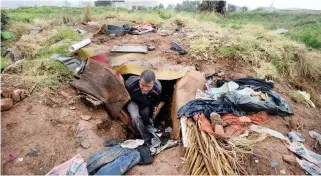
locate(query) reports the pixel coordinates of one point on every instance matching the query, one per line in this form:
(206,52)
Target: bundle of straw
(207,156)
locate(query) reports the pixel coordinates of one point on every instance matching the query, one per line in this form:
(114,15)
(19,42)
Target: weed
(65,33)
(5,62)
(19,28)
(87,13)
(229,50)
(164,15)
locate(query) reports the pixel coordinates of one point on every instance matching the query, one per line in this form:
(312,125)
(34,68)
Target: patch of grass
(19,28)
(303,27)
(308,34)
(164,15)
(229,50)
(61,49)
(5,62)
(46,72)
(234,26)
(65,33)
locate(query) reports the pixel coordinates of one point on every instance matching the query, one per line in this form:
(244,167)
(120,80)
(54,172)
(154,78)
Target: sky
(281,4)
(252,4)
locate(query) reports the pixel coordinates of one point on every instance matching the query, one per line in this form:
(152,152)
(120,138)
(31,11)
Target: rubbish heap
(219,120)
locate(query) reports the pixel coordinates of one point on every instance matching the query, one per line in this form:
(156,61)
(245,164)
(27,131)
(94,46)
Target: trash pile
(220,122)
(99,82)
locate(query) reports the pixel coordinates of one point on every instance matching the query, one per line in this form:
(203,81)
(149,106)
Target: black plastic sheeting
(178,48)
(234,102)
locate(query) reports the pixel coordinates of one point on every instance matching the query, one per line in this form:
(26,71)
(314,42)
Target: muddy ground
(51,120)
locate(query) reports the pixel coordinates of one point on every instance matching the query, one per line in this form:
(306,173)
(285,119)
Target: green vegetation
(304,27)
(65,33)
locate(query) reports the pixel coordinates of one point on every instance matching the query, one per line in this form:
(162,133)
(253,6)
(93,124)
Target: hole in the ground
(163,119)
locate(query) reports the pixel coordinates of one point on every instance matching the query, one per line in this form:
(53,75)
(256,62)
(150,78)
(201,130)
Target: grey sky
(303,4)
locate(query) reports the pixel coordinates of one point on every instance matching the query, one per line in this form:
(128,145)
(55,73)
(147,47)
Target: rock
(290,159)
(281,31)
(16,95)
(65,94)
(151,48)
(85,117)
(6,104)
(72,107)
(6,92)
(221,73)
(20,159)
(282,171)
(85,144)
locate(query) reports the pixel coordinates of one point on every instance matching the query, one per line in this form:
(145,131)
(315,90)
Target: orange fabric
(205,124)
(259,118)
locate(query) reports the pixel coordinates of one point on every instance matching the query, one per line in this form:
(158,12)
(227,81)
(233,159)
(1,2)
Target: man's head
(146,82)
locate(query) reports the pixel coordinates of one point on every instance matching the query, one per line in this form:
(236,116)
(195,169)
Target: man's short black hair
(148,76)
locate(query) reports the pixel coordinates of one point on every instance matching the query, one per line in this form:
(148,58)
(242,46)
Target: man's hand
(155,111)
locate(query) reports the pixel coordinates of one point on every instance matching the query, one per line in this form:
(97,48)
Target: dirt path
(50,120)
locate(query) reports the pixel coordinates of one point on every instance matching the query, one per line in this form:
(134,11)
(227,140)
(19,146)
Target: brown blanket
(102,82)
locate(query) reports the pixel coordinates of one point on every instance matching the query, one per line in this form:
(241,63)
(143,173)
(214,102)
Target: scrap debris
(129,49)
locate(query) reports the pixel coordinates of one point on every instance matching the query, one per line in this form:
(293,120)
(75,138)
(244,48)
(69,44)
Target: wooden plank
(129,49)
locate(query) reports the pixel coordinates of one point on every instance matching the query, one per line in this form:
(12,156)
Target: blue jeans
(140,119)
(112,161)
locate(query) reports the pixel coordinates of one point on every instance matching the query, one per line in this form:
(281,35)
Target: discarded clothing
(309,167)
(178,48)
(299,149)
(121,164)
(260,129)
(100,58)
(205,124)
(74,166)
(72,63)
(295,136)
(204,106)
(132,144)
(112,161)
(216,93)
(142,28)
(145,155)
(255,84)
(112,142)
(105,84)
(245,104)
(169,144)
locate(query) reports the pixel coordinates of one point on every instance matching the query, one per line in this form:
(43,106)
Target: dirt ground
(51,120)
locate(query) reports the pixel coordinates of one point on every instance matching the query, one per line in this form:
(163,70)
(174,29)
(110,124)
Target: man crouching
(145,96)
